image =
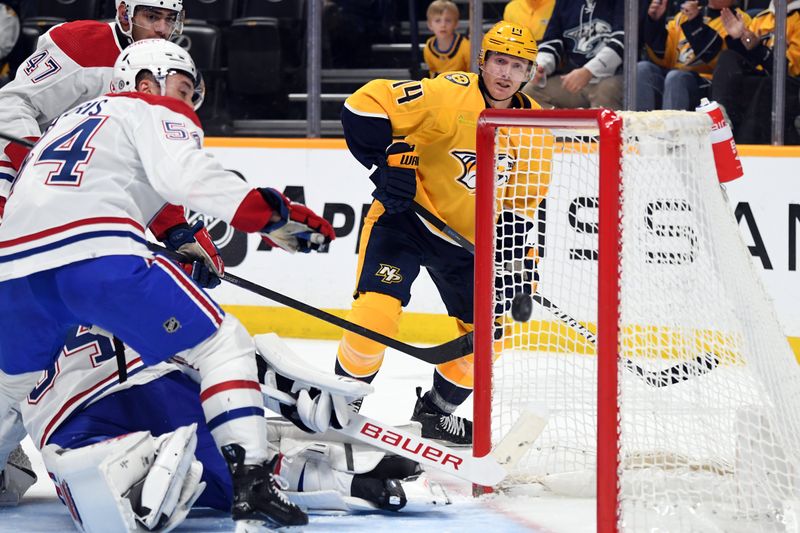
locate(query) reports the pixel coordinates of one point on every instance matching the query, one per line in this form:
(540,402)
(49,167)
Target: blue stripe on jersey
(6,177)
(71,240)
(233,414)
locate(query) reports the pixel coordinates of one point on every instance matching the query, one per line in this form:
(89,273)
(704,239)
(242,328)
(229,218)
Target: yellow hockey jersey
(455,58)
(439,117)
(763,25)
(532,14)
(678,51)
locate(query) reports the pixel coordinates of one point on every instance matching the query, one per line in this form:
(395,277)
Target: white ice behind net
(718,450)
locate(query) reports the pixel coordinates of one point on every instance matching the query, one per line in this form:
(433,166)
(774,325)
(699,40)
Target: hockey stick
(22,142)
(449,351)
(439,224)
(702,364)
(484,471)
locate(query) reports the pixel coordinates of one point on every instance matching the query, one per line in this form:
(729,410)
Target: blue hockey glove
(195,242)
(396,178)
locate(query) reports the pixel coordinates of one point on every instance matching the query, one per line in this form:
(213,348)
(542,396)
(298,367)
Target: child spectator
(742,77)
(532,14)
(447,50)
(682,54)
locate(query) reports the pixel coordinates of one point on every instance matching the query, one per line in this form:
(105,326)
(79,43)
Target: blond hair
(440,6)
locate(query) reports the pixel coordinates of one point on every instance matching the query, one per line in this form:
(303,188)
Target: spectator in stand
(446,50)
(682,54)
(742,77)
(583,47)
(9,35)
(532,14)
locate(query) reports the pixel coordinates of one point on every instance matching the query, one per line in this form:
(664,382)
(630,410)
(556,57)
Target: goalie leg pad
(288,375)
(231,395)
(321,477)
(103,484)
(174,472)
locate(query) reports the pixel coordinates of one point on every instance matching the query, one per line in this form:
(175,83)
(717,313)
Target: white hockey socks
(230,392)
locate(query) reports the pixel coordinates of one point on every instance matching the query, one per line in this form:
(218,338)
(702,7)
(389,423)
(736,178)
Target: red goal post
(608,124)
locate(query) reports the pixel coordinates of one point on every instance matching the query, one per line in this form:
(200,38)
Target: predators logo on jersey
(439,117)
(468,160)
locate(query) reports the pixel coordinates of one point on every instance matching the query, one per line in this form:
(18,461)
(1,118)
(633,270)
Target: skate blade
(259,526)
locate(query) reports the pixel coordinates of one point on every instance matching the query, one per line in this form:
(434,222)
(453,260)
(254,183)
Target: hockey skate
(258,503)
(451,430)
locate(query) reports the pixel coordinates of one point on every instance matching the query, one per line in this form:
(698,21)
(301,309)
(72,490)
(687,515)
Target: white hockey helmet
(159,57)
(131,5)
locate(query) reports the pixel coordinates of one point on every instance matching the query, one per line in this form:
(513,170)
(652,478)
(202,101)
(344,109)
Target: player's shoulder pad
(89,43)
(173,104)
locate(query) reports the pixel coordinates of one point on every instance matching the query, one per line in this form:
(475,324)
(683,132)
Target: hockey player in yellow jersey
(434,165)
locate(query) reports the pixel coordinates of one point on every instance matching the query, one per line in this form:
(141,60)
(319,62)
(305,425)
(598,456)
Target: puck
(521,307)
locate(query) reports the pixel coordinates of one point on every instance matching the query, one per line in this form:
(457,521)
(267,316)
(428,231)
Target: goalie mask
(508,39)
(160,58)
(131,6)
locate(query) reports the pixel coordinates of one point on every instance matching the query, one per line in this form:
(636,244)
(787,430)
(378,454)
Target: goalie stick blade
(521,436)
(458,462)
(702,364)
(443,353)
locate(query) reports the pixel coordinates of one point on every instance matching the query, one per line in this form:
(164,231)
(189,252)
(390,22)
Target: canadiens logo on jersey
(389,274)
(468,160)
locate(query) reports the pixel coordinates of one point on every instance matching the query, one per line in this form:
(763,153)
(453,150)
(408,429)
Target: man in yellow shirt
(742,77)
(682,53)
(531,14)
(434,165)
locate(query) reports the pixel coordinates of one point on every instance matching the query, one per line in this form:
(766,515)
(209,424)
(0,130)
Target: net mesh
(709,390)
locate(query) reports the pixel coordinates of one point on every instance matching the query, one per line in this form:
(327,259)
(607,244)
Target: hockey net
(655,339)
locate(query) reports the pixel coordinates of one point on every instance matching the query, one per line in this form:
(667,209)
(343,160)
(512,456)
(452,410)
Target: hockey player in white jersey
(78,405)
(73,63)
(72,252)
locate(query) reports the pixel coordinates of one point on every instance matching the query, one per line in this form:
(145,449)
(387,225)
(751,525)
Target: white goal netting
(708,387)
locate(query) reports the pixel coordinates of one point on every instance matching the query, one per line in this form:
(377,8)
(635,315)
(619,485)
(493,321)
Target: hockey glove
(396,179)
(195,242)
(299,229)
(514,260)
(313,401)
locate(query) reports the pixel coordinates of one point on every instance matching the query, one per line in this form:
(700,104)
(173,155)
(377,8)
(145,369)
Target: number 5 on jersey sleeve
(69,152)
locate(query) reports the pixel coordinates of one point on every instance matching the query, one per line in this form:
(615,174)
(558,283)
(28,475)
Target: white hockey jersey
(73,63)
(98,176)
(85,372)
